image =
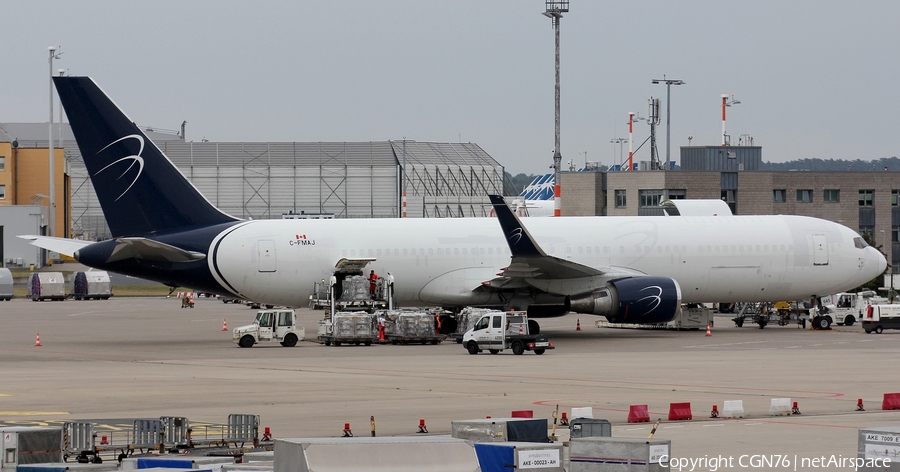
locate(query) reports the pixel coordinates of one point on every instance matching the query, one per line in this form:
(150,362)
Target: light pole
(669,83)
(618,141)
(884,251)
(59,131)
(51,213)
(554,11)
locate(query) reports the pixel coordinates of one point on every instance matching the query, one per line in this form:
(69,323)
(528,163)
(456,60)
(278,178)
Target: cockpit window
(860,243)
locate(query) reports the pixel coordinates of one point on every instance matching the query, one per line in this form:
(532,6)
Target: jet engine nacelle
(643,299)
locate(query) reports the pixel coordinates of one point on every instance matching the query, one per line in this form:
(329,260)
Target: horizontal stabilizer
(60,245)
(150,250)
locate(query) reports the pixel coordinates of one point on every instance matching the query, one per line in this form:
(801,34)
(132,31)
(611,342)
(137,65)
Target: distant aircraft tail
(139,189)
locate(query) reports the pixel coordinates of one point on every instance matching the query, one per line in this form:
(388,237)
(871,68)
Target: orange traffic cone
(715,412)
(578,324)
(422,427)
(708,332)
(859,405)
(521,329)
(224,324)
(347,432)
(37,340)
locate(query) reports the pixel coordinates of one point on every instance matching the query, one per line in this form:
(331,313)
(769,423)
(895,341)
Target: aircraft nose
(876,261)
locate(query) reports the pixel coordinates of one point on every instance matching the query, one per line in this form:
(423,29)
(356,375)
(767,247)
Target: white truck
(847,308)
(498,330)
(270,325)
(878,318)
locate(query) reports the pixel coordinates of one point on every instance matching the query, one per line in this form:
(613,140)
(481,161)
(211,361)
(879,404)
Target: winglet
(520,242)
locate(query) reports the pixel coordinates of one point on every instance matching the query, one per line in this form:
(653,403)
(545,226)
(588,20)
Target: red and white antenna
(726,103)
(630,139)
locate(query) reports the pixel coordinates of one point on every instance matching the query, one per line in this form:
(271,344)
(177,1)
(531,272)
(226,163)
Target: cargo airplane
(628,269)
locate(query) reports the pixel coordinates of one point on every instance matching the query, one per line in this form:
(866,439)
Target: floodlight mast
(669,83)
(51,213)
(554,10)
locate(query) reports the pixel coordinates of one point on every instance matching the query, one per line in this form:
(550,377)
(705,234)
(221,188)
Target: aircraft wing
(528,259)
(60,245)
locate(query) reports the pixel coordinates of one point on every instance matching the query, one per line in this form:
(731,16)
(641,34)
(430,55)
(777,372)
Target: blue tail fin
(139,189)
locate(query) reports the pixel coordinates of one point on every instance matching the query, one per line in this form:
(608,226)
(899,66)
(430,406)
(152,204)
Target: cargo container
(348,327)
(509,457)
(6,284)
(409,327)
(47,286)
(23,445)
(93,284)
(397,454)
(878,449)
(620,454)
(501,430)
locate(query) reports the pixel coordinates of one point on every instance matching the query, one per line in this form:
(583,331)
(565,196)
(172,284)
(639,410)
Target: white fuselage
(441,261)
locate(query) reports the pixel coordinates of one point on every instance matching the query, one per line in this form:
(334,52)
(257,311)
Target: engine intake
(645,299)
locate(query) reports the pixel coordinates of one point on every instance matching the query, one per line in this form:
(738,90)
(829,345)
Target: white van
(881,317)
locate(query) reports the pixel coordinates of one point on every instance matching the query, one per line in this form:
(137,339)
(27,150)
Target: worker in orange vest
(373,278)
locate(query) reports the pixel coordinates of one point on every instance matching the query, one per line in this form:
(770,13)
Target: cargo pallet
(355,340)
(403,339)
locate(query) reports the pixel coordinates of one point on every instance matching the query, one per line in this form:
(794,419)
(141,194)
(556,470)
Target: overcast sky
(815,78)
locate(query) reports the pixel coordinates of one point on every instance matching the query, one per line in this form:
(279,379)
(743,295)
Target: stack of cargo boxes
(353,324)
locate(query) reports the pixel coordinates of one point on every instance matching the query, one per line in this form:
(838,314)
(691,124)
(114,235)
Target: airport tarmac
(147,357)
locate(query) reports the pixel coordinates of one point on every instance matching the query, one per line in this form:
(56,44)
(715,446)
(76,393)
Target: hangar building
(324,179)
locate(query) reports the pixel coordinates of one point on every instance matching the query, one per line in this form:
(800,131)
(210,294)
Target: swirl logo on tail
(135,159)
(515,236)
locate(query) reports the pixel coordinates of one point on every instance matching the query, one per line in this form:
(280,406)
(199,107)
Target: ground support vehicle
(498,330)
(466,319)
(270,325)
(881,317)
(847,308)
(348,328)
(410,327)
(349,290)
(763,313)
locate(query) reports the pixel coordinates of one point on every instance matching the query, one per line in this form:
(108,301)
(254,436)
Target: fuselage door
(267,262)
(820,250)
